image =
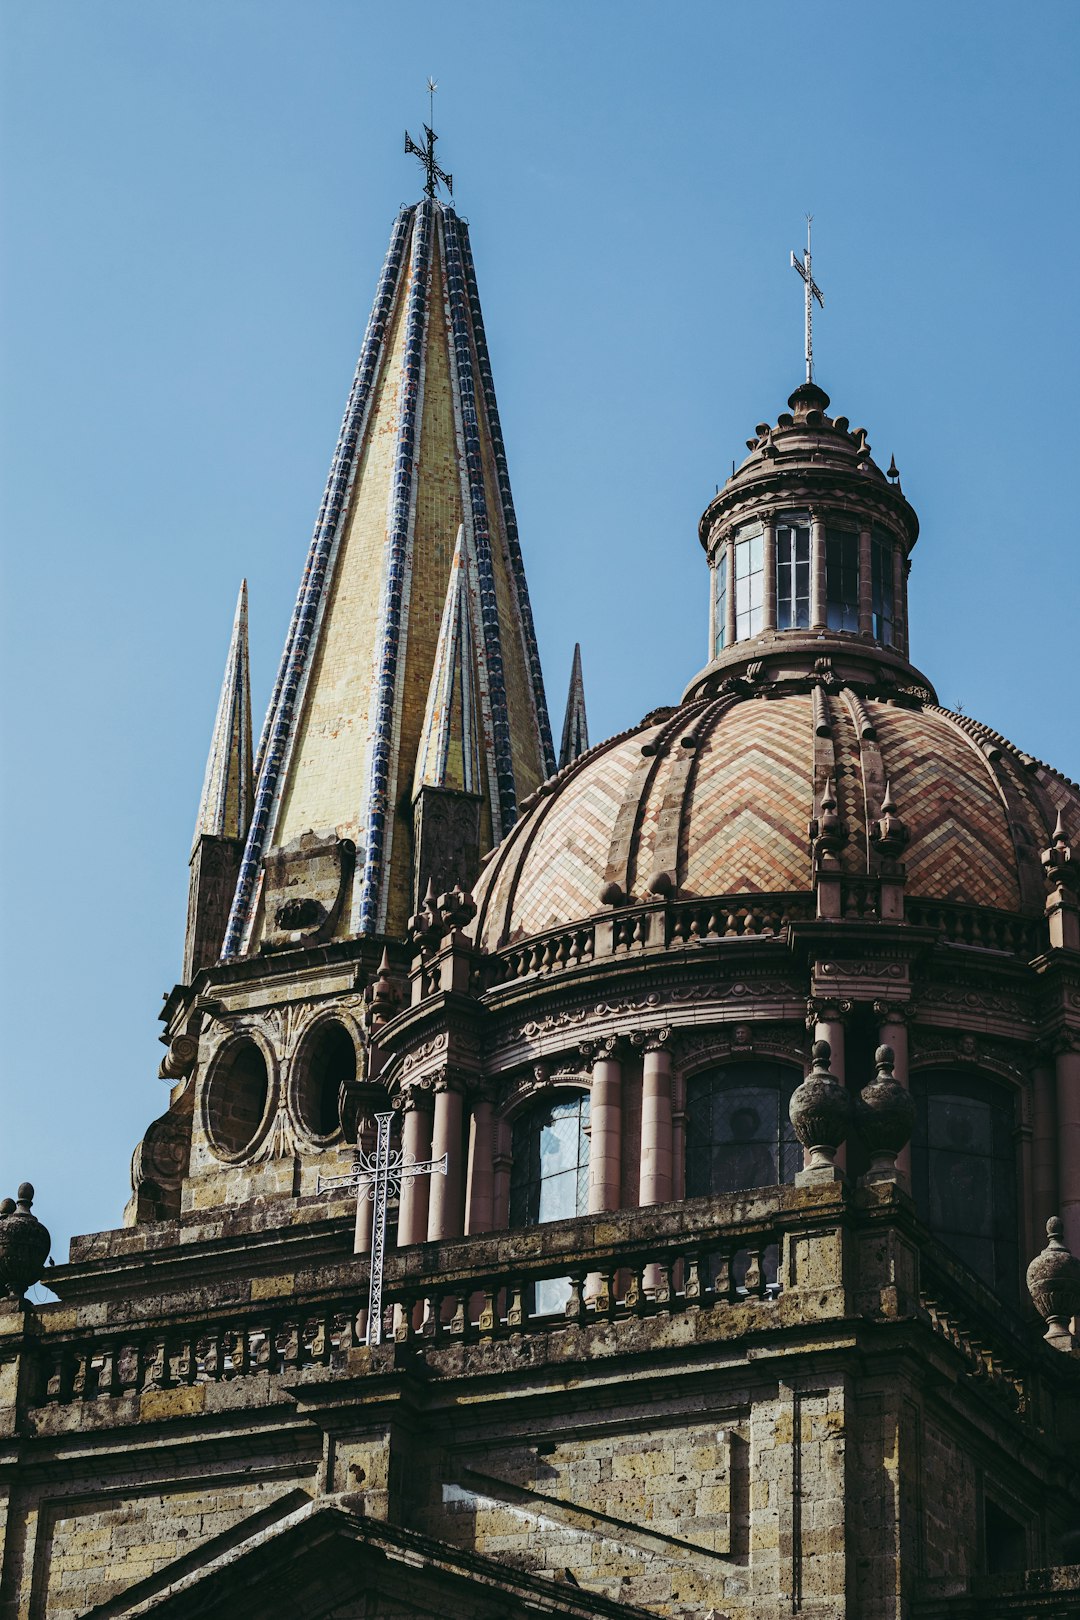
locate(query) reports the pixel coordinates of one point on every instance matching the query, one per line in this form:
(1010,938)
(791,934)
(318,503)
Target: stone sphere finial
(24,1244)
(885,1118)
(1053,1280)
(820,1112)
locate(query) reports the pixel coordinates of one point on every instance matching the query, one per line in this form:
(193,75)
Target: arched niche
(323,1068)
(236,1101)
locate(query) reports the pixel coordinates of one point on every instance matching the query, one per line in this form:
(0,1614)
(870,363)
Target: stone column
(655,1183)
(1044,1170)
(729,626)
(446,1198)
(818,580)
(900,635)
(768,607)
(1067,1069)
(416,1144)
(825,1021)
(480,1197)
(678,1135)
(605,1128)
(502,1165)
(866,581)
(893,1031)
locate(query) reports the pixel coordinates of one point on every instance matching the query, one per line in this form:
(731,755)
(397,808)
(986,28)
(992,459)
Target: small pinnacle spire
(449,741)
(575,731)
(225,806)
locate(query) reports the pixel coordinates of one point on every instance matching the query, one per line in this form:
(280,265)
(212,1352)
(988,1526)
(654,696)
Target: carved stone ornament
(885,1117)
(24,1244)
(820,1112)
(304,889)
(1053,1280)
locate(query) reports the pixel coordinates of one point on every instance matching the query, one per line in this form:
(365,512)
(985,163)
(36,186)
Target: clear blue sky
(196,201)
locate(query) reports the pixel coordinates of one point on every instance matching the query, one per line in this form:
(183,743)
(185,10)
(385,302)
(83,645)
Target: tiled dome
(718,794)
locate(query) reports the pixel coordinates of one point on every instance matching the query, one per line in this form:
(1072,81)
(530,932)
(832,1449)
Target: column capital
(894,1012)
(652,1040)
(601,1047)
(827,1010)
(448,1080)
(418,1094)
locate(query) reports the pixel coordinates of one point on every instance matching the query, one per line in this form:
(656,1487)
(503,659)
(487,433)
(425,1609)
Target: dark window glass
(881,587)
(842,580)
(793,574)
(964,1172)
(738,1134)
(720,613)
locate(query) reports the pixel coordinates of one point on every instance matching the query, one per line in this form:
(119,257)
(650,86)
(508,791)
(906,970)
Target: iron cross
(426,154)
(378,1176)
(812,291)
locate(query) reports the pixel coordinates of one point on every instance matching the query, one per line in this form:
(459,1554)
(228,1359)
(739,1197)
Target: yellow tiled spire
(450,739)
(420,462)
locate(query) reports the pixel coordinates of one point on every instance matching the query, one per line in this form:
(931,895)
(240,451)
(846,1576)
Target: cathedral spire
(420,456)
(575,731)
(225,805)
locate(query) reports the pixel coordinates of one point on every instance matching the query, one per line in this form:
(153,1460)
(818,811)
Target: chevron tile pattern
(960,845)
(746,831)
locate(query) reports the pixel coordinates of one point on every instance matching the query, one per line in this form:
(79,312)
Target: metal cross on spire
(812,291)
(426,153)
(378,1176)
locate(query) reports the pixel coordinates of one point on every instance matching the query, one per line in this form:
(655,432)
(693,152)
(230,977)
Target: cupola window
(881,587)
(842,580)
(720,586)
(793,573)
(964,1172)
(749,585)
(549,1178)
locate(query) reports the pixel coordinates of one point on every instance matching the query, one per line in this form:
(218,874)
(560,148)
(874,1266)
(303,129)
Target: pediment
(324,1560)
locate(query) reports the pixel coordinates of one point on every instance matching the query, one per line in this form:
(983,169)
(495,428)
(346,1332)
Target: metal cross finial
(812,291)
(378,1176)
(426,153)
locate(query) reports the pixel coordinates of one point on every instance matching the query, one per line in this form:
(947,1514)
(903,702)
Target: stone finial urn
(24,1244)
(820,1112)
(885,1118)
(1053,1280)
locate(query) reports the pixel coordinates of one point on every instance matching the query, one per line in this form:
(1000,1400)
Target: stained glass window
(738,1134)
(793,573)
(842,580)
(964,1172)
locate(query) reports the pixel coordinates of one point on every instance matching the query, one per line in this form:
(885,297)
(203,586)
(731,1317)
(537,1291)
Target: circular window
(236,1098)
(327,1062)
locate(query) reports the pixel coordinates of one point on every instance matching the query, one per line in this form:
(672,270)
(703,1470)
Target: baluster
(722,1282)
(488,1316)
(127,1368)
(459,1322)
(182,1363)
(678,927)
(603,1302)
(516,1314)
(58,1380)
(588,939)
(661,1284)
(81,1375)
(640,933)
(712,927)
(695,929)
(287,1345)
(692,1285)
(562,954)
(156,1373)
(404,1331)
(754,1281)
(636,1299)
(107,1383)
(575,1305)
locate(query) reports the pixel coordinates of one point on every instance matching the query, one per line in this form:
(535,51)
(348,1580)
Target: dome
(719,792)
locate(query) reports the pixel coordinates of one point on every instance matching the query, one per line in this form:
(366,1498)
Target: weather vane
(426,153)
(812,291)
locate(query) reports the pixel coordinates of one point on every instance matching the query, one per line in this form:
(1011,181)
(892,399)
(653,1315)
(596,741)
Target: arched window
(549,1176)
(738,1134)
(236,1099)
(963,1156)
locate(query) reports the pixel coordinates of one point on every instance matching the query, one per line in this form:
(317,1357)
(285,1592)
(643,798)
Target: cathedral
(642,1180)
